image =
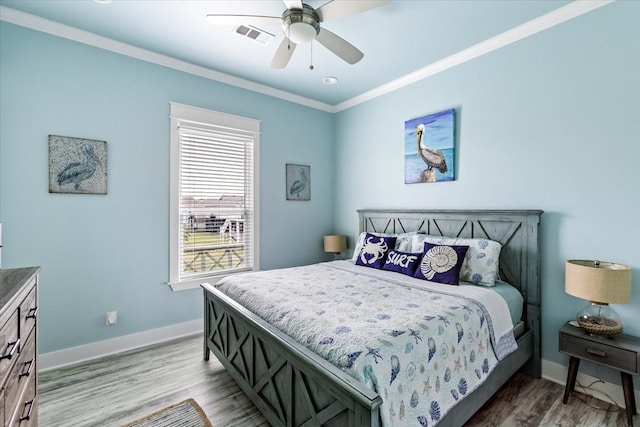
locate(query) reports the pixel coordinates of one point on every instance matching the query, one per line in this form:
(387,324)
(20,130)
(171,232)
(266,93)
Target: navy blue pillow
(374,250)
(402,262)
(441,263)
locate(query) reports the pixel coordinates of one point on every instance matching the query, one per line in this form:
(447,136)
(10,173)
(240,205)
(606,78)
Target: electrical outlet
(112,318)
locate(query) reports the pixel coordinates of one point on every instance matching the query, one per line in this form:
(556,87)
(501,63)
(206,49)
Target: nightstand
(621,352)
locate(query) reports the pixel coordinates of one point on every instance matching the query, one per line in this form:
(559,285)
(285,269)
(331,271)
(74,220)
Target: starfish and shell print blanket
(421,346)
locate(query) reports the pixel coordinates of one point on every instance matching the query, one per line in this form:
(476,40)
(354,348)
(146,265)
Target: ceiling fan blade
(256,20)
(293,4)
(337,9)
(339,46)
(283,54)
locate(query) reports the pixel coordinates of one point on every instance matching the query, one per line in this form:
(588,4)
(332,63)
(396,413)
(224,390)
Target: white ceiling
(401,40)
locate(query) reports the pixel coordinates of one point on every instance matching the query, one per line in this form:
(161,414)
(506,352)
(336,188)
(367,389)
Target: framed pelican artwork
(429,148)
(298,179)
(77,165)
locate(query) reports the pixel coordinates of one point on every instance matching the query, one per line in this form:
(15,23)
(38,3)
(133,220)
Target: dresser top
(11,281)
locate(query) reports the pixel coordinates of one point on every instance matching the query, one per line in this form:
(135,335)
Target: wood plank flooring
(118,389)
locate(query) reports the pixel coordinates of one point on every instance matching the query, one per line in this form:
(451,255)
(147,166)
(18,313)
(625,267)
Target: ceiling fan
(301,24)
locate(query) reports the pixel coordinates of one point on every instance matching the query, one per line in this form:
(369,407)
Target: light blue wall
(547,123)
(103,253)
(550,123)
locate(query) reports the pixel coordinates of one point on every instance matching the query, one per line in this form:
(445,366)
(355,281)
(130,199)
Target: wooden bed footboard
(291,385)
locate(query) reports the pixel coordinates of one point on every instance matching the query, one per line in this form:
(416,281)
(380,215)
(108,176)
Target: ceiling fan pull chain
(311,58)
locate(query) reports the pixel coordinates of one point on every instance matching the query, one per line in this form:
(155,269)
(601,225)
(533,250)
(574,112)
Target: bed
(294,386)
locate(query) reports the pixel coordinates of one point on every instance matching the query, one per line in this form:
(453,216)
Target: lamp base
(600,319)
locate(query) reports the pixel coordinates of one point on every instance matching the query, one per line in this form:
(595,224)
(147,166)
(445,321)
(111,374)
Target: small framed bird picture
(429,148)
(77,165)
(298,179)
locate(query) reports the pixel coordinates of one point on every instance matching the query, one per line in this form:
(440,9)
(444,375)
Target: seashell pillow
(374,250)
(441,263)
(481,263)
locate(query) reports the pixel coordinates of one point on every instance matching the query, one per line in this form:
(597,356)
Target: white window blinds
(215,199)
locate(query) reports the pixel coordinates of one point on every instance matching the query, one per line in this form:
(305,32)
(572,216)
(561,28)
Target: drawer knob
(33,313)
(30,405)
(26,373)
(13,350)
(596,352)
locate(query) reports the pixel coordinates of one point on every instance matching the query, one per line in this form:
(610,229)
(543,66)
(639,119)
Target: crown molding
(544,22)
(65,31)
(558,16)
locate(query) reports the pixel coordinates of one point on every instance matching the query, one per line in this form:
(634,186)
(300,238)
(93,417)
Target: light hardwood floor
(118,389)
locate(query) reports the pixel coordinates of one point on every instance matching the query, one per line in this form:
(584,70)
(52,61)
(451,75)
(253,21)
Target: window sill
(185,285)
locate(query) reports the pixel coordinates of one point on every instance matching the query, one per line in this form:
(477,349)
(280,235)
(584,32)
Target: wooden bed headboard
(516,230)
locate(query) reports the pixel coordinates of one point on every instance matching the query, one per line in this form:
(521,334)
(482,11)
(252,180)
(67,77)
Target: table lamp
(335,243)
(602,283)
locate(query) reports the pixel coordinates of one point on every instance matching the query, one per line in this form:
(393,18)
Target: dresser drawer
(603,354)
(20,378)
(8,345)
(18,347)
(27,412)
(28,312)
(1,406)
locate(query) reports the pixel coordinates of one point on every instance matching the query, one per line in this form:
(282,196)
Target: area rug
(184,414)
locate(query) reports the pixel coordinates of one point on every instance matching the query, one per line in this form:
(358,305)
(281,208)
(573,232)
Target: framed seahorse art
(77,165)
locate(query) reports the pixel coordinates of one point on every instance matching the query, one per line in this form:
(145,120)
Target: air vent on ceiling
(253,33)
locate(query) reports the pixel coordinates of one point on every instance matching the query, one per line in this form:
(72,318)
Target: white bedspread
(422,346)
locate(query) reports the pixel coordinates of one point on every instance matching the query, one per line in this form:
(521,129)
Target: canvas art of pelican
(77,172)
(433,158)
(299,185)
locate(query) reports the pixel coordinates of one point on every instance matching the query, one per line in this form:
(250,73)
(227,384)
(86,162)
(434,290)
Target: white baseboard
(82,353)
(608,392)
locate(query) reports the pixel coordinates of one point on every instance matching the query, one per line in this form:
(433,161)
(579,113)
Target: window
(213,200)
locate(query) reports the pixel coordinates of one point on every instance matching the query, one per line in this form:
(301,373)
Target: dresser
(18,347)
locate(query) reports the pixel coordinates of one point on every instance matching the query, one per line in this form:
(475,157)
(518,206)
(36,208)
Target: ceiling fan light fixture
(301,33)
(301,25)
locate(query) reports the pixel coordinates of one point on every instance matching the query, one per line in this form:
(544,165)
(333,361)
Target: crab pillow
(403,241)
(374,250)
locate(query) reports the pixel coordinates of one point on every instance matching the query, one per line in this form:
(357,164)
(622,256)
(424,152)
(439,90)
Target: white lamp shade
(335,243)
(301,32)
(598,281)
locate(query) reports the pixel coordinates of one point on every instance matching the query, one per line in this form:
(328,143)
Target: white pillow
(480,265)
(403,242)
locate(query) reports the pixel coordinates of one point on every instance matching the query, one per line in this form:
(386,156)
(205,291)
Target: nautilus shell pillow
(403,242)
(374,250)
(441,263)
(481,264)
(402,262)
